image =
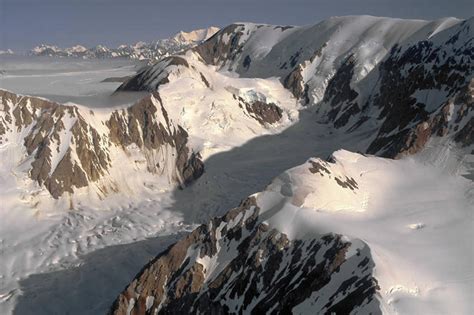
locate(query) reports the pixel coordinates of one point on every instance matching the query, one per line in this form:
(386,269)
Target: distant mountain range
(138,51)
(7,52)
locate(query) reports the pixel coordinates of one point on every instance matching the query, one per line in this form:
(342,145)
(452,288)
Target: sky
(27,23)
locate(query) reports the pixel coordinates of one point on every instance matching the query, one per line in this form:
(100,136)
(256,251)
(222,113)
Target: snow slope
(401,77)
(415,215)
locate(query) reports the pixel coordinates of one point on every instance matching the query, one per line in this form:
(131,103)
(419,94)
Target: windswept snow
(196,36)
(415,215)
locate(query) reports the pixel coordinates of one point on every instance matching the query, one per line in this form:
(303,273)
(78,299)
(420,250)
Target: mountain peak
(196,36)
(138,51)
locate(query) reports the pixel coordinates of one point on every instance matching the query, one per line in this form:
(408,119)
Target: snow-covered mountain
(306,244)
(64,148)
(402,80)
(196,36)
(355,233)
(325,237)
(139,51)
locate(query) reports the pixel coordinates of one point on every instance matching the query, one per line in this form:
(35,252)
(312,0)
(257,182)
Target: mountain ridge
(409,84)
(152,51)
(343,97)
(70,147)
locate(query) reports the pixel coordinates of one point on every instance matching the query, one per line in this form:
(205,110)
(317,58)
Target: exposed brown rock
(85,158)
(142,125)
(264,113)
(45,120)
(66,175)
(266,272)
(204,80)
(151,77)
(93,158)
(322,168)
(406,123)
(340,96)
(215,51)
(318,167)
(295,83)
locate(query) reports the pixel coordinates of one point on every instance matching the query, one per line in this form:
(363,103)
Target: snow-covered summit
(139,51)
(196,36)
(399,78)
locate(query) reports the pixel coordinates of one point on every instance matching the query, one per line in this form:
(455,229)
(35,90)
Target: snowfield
(415,216)
(66,80)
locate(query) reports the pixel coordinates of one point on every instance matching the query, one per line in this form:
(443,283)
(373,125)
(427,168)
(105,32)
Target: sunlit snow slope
(414,214)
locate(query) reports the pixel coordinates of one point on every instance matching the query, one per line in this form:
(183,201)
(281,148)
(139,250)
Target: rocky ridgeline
(69,149)
(410,90)
(152,77)
(418,88)
(237,264)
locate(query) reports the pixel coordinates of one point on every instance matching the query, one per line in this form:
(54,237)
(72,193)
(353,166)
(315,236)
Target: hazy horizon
(27,23)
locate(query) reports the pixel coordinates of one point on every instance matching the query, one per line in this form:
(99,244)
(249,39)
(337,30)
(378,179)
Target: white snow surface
(415,214)
(196,36)
(68,80)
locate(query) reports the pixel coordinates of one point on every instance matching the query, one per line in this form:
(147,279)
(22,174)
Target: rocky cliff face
(69,147)
(425,89)
(239,264)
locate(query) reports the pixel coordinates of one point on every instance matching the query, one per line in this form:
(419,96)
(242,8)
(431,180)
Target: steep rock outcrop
(264,113)
(238,264)
(68,150)
(151,77)
(425,89)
